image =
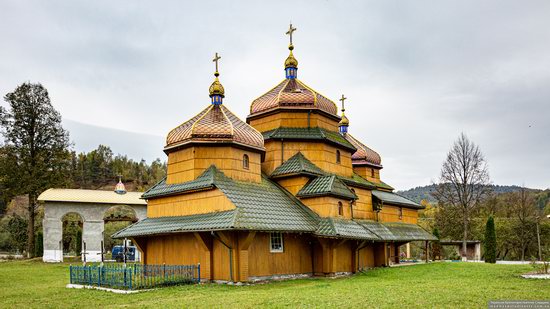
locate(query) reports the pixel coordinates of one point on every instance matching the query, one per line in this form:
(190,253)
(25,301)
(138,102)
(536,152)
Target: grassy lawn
(469,285)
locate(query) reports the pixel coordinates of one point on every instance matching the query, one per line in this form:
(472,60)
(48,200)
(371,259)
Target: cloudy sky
(417,73)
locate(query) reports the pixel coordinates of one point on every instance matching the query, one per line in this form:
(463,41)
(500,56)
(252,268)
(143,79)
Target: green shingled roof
(315,133)
(336,227)
(326,185)
(259,206)
(204,181)
(395,199)
(357,181)
(297,164)
(383,185)
(166,225)
(396,231)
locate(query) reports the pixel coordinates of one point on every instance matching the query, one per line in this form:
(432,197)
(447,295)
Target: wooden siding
(293,184)
(293,120)
(390,213)
(367,172)
(362,208)
(188,163)
(295,258)
(189,204)
(319,153)
(327,206)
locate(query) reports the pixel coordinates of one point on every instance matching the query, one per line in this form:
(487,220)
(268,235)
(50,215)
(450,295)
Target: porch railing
(133,277)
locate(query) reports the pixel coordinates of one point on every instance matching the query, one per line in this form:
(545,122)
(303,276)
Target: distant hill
(425,193)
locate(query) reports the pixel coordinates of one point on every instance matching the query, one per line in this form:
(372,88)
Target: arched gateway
(91,205)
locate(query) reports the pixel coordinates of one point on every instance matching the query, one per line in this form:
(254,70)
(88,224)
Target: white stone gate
(91,205)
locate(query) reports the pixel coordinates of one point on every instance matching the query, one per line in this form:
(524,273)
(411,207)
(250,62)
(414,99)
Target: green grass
(469,285)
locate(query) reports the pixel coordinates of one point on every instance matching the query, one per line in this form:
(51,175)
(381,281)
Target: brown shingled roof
(363,155)
(215,123)
(292,94)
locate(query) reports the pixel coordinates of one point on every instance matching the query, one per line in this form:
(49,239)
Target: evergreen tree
(35,155)
(490,241)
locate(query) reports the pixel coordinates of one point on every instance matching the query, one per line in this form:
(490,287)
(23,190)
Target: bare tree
(464,181)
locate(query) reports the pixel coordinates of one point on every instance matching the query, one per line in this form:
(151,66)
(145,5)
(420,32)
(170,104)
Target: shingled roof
(395,199)
(315,133)
(326,185)
(298,164)
(266,207)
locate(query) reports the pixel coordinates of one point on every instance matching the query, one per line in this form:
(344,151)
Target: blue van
(118,255)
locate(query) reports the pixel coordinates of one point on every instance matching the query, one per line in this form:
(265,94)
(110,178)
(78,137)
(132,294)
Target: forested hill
(424,193)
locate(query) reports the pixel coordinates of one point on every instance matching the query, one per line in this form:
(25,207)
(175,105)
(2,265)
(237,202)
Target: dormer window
(337,156)
(246,162)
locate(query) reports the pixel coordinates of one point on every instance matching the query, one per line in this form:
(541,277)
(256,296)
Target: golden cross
(343,99)
(289,32)
(216,58)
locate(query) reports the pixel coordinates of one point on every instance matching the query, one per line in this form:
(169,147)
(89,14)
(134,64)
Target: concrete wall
(92,233)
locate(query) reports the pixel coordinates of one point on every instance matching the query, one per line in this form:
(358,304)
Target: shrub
(490,241)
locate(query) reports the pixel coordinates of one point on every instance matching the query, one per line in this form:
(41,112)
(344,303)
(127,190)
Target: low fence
(133,277)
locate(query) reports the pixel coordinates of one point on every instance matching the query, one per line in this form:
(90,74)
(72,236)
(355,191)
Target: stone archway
(91,205)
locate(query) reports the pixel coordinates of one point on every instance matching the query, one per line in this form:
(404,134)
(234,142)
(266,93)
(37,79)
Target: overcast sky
(417,73)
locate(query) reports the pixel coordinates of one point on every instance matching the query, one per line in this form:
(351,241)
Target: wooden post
(408,250)
(386,257)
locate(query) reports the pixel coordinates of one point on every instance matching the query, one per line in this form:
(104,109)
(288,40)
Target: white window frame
(281,237)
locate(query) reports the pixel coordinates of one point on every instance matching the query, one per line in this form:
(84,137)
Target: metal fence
(133,277)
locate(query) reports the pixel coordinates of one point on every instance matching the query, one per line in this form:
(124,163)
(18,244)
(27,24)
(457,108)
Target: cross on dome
(291,64)
(217,92)
(344,122)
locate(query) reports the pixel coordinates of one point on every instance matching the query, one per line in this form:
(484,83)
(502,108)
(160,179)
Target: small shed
(473,248)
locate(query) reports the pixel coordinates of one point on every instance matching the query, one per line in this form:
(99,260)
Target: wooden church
(288,193)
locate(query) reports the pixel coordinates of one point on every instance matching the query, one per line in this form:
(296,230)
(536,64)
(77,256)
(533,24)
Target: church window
(337,156)
(372,172)
(245,161)
(276,242)
(400,213)
(340,209)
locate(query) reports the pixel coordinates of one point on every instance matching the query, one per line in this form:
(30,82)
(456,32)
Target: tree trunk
(465,237)
(30,227)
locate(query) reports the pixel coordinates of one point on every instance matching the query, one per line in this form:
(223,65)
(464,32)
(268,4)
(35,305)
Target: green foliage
(436,245)
(490,243)
(15,233)
(35,154)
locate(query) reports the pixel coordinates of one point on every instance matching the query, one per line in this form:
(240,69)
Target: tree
(436,245)
(523,208)
(490,244)
(464,181)
(36,147)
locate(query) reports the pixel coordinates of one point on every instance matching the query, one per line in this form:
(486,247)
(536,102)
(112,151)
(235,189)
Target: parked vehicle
(118,253)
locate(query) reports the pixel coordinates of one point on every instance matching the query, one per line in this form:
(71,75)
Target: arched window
(245,161)
(337,156)
(372,172)
(340,209)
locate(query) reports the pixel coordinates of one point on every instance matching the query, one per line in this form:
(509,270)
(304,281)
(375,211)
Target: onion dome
(290,61)
(364,155)
(120,188)
(215,124)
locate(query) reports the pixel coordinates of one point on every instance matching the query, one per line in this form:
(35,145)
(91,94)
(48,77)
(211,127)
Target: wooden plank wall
(293,184)
(189,204)
(293,120)
(189,163)
(319,153)
(391,214)
(295,259)
(327,206)
(366,172)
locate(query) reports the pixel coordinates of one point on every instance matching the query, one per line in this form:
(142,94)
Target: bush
(490,241)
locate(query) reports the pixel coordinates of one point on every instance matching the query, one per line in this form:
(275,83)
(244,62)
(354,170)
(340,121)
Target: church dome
(290,61)
(215,124)
(363,155)
(292,94)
